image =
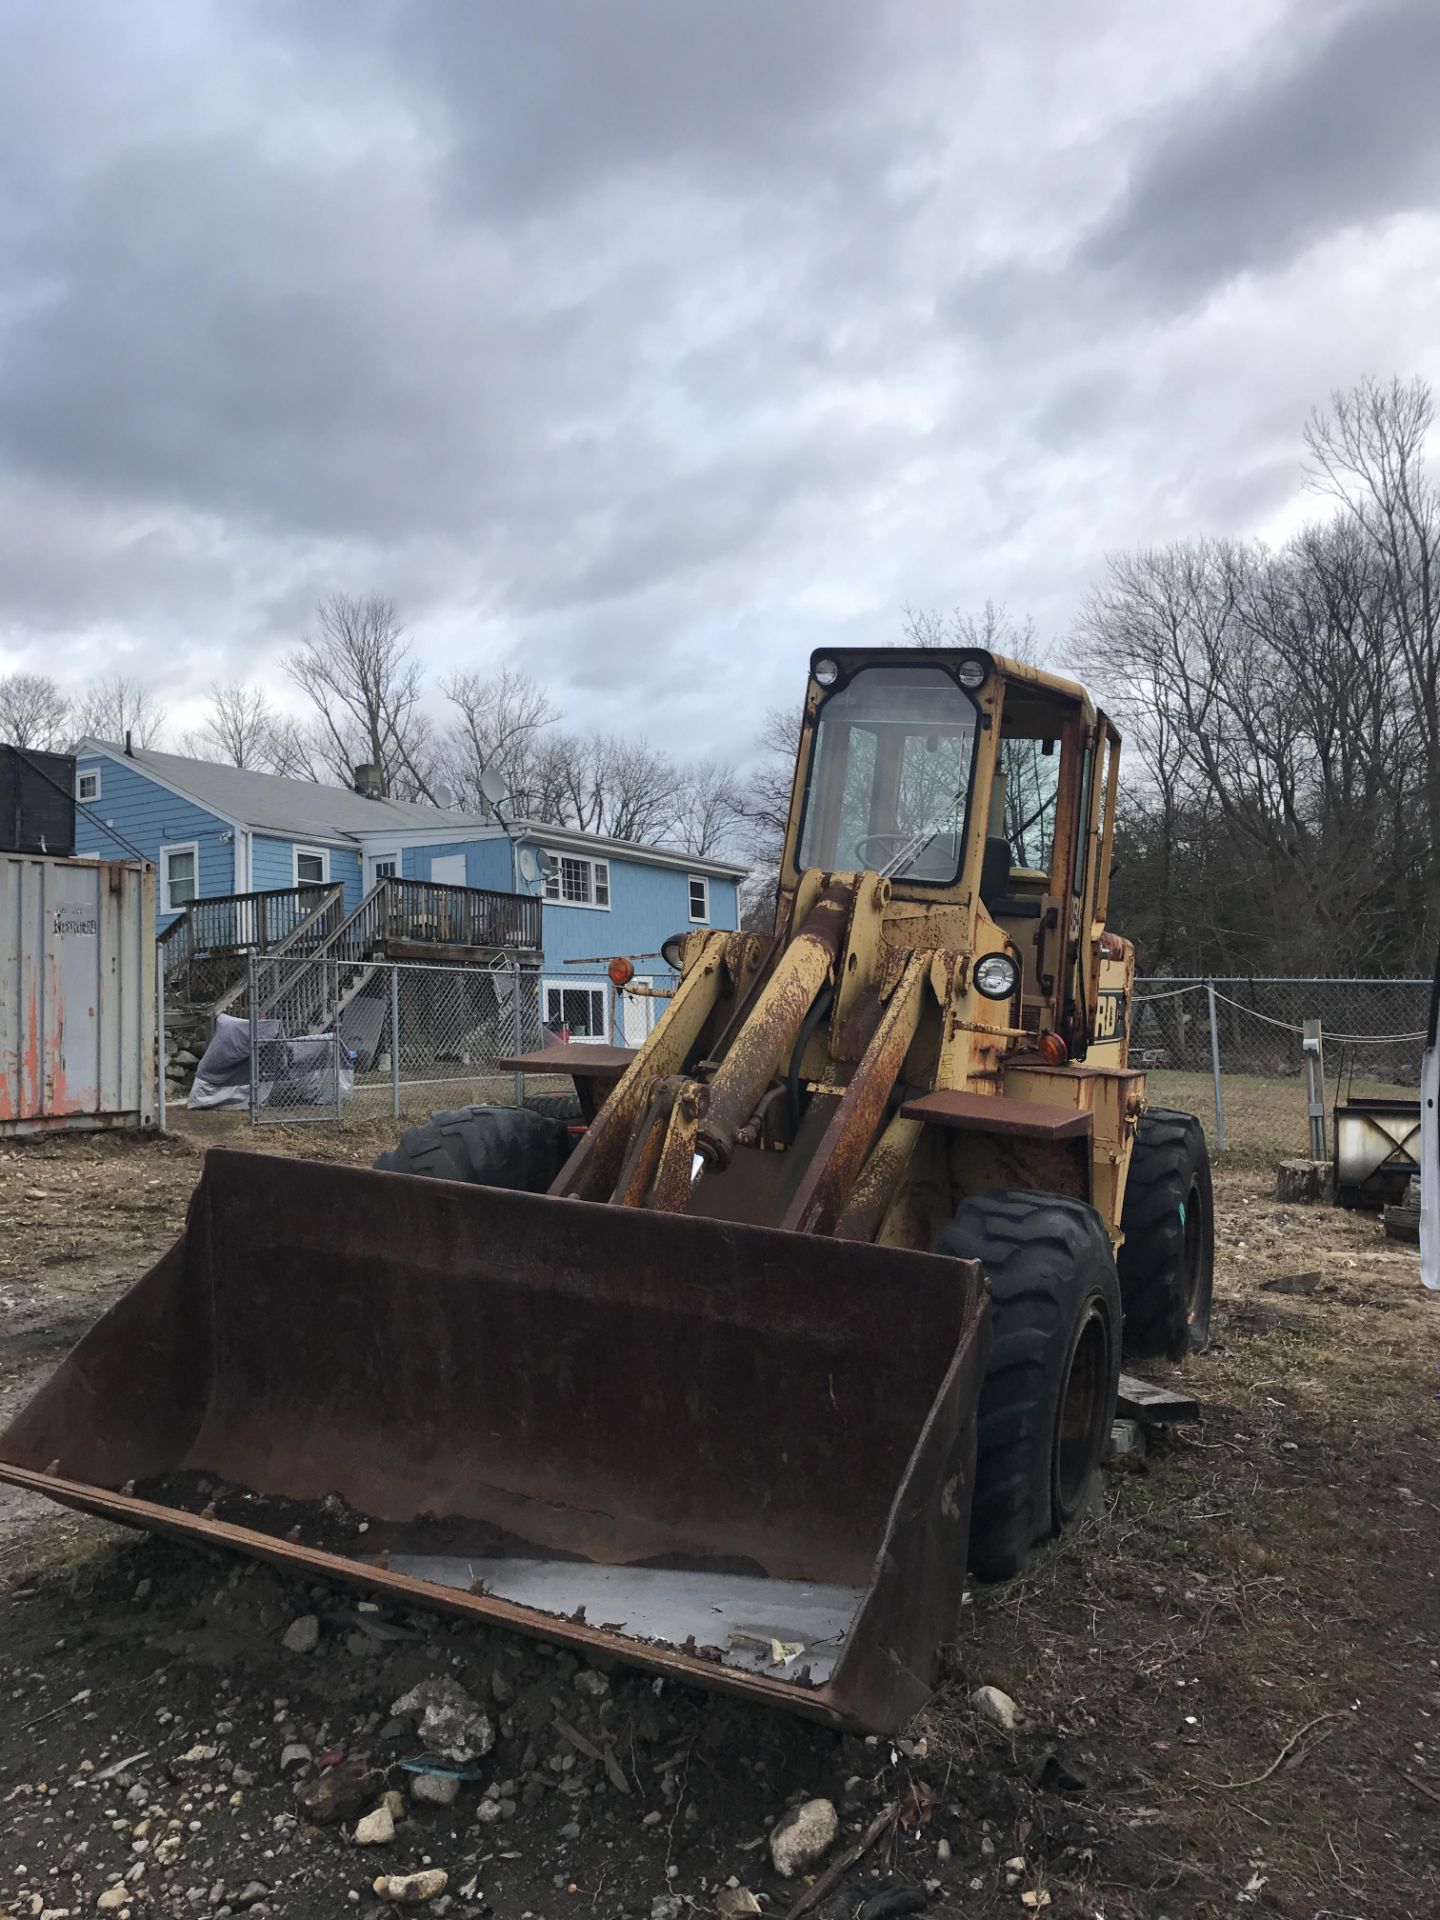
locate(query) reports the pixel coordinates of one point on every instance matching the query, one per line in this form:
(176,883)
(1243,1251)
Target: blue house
(219,833)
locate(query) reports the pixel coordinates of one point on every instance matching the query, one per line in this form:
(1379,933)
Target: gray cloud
(647,346)
(1337,128)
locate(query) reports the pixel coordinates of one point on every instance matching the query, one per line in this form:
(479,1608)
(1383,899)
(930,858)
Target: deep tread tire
(558,1106)
(1055,1351)
(484,1146)
(1167,1258)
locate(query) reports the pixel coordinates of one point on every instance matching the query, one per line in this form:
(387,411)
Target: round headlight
(996,976)
(826,672)
(971,674)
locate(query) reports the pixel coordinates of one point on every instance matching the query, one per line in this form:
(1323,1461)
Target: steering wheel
(890,842)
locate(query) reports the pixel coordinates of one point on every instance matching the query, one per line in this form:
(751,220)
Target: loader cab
(978,789)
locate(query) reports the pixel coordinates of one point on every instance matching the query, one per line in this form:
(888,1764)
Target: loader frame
(917,1088)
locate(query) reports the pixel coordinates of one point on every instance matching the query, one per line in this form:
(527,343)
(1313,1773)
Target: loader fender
(485,1146)
(1048,1399)
(1167,1261)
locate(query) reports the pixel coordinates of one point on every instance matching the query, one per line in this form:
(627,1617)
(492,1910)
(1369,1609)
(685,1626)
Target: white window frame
(83,774)
(373,876)
(595,866)
(322,854)
(192,847)
(578,986)
(701,880)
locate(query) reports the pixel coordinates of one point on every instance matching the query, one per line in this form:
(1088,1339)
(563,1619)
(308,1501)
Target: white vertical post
(1311,1043)
(1215,1069)
(159,1037)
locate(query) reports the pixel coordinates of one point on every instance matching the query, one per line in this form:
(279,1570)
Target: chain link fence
(1238,1043)
(335,1038)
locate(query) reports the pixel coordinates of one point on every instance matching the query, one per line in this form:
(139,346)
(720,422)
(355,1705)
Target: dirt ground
(1229,1677)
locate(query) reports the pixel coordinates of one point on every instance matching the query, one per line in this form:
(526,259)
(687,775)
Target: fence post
(252,1001)
(159,1037)
(335,1029)
(516,1029)
(1315,1087)
(395,1039)
(1215,1069)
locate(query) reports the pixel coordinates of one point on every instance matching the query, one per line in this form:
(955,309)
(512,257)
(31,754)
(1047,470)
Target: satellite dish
(494,785)
(529,865)
(444,796)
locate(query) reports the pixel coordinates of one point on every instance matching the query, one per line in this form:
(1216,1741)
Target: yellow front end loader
(825,1306)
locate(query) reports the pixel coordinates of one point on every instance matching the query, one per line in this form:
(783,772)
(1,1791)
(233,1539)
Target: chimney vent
(366,777)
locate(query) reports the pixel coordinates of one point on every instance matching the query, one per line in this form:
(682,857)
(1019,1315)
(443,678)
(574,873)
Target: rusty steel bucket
(737,1457)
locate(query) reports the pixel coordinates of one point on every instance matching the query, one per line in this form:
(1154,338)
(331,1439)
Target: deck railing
(229,923)
(396,914)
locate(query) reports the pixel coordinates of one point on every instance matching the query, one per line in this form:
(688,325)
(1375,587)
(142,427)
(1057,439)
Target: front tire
(1048,1399)
(1167,1259)
(483,1146)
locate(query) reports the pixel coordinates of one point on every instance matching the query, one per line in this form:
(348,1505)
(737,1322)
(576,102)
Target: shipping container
(77,994)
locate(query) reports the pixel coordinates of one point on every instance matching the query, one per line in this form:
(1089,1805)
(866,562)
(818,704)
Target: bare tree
(239,727)
(994,629)
(1369,454)
(711,809)
(116,705)
(356,669)
(34,713)
(497,722)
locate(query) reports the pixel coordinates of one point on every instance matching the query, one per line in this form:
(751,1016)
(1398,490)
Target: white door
(576,1010)
(380,866)
(638,1013)
(448,869)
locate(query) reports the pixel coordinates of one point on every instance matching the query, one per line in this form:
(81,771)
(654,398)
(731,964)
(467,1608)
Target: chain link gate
(334,1038)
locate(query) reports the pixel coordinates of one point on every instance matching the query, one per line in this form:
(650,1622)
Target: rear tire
(1048,1399)
(1167,1259)
(484,1146)
(558,1106)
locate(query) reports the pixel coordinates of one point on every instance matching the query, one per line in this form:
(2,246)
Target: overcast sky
(646,344)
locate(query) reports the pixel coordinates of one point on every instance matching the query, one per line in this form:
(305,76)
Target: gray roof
(275,804)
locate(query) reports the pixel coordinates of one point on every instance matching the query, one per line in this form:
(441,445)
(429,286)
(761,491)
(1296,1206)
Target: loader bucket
(733,1456)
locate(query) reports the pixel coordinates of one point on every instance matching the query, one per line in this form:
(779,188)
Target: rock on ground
(801,1838)
(376,1829)
(451,1723)
(411,1889)
(302,1635)
(338,1793)
(997,1707)
(435,1789)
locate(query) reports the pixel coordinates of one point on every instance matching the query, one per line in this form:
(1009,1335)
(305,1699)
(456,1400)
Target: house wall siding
(150,817)
(487,862)
(272,861)
(647,905)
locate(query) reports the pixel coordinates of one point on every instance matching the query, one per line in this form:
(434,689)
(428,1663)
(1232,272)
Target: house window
(87,786)
(578,1010)
(312,866)
(577,881)
(699,898)
(179,876)
(387,866)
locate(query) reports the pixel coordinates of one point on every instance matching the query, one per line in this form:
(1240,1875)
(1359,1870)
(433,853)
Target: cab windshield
(889,787)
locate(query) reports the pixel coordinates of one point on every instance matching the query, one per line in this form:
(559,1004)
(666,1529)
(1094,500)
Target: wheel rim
(1193,1216)
(1083,1413)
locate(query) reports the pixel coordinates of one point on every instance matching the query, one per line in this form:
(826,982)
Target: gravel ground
(1226,1680)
